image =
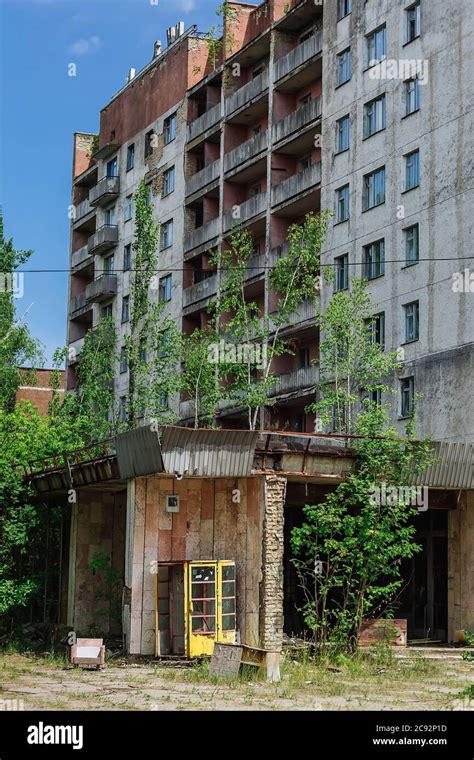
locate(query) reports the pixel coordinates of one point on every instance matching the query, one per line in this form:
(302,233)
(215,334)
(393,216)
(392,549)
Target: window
(374,189)
(407,396)
(342,204)
(376,46)
(125,308)
(300,423)
(344,65)
(106,311)
(149,143)
(123,408)
(305,163)
(142,350)
(110,216)
(168,181)
(165,288)
(303,358)
(342,272)
(343,130)
(412,244)
(344,7)
(127,214)
(412,22)
(123,360)
(112,170)
(374,260)
(109,264)
(412,170)
(169,128)
(164,401)
(166,235)
(377,329)
(130,157)
(375,396)
(127,257)
(412,321)
(374,116)
(412,96)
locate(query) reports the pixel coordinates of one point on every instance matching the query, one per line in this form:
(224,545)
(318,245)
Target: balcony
(292,382)
(246,94)
(296,121)
(246,211)
(74,349)
(203,178)
(102,288)
(297,57)
(250,149)
(296,184)
(103,239)
(204,122)
(106,190)
(202,235)
(78,306)
(81,258)
(84,216)
(200,291)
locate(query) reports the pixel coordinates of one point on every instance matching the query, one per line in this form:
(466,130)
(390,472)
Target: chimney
(170,35)
(131,75)
(179,28)
(156,48)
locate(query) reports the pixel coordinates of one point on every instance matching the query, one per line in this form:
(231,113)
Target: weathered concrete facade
(461,566)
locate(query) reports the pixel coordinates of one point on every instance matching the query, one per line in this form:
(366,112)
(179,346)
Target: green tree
(201,375)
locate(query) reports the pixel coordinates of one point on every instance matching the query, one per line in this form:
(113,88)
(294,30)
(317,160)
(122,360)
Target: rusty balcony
(202,235)
(297,57)
(296,184)
(204,122)
(249,150)
(103,239)
(102,288)
(106,190)
(203,178)
(246,94)
(247,211)
(297,120)
(303,379)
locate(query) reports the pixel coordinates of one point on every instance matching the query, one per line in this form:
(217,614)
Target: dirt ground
(413,680)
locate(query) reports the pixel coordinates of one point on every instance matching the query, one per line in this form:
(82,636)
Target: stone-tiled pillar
(271,598)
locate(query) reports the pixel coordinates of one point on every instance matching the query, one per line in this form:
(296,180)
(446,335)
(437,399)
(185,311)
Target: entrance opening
(170,599)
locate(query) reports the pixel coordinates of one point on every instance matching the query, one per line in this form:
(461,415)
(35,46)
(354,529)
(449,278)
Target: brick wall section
(271,609)
(38,391)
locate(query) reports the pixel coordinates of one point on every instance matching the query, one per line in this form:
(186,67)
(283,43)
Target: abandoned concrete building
(293,116)
(195,528)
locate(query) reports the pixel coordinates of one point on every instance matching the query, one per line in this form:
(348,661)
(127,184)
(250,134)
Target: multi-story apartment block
(358,107)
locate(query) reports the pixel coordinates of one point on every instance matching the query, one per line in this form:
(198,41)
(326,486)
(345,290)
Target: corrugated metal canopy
(453,467)
(138,453)
(208,453)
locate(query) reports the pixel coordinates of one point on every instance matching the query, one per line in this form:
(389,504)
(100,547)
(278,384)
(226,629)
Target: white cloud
(187,5)
(85,46)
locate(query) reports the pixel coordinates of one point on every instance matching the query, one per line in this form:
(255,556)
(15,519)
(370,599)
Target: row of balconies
(284,66)
(303,380)
(253,207)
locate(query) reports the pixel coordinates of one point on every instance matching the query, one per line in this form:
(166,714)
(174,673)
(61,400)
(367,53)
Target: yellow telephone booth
(189,623)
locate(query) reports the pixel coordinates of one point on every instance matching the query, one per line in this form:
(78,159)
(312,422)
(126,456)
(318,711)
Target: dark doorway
(424,599)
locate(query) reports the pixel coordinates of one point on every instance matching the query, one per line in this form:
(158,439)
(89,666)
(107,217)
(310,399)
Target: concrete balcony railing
(102,288)
(299,379)
(297,120)
(201,290)
(243,153)
(247,93)
(298,183)
(104,238)
(107,189)
(298,56)
(74,349)
(246,211)
(204,122)
(202,235)
(82,209)
(80,257)
(77,303)
(203,178)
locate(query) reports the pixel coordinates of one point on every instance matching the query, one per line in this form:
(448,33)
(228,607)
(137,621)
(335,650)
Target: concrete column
(271,595)
(461,566)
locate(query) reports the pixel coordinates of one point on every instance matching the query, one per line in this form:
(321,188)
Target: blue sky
(40,108)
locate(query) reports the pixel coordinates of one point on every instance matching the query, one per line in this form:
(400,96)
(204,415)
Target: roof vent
(156,48)
(131,75)
(173,32)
